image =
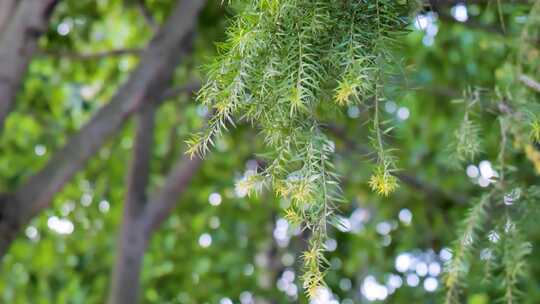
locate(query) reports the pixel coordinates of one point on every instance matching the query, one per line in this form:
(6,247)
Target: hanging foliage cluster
(284,63)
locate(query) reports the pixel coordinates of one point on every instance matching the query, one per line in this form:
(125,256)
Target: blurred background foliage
(220,246)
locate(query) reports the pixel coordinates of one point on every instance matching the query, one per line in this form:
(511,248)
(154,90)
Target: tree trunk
(129,257)
(139,220)
(6,10)
(9,223)
(18,42)
(152,77)
(133,239)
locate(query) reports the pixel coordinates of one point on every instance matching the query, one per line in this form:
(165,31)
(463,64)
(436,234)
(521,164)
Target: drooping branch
(18,43)
(150,78)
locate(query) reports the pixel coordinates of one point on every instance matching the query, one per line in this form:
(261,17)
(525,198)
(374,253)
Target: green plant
(283,64)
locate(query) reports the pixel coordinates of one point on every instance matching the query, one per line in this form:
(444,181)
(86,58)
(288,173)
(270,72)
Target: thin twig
(190,88)
(530,82)
(91,56)
(147,14)
(407,179)
(163,201)
(473,24)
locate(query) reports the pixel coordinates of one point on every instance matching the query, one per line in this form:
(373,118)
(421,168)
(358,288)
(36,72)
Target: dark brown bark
(189,88)
(151,78)
(9,222)
(132,239)
(139,171)
(6,11)
(129,257)
(18,42)
(138,210)
(142,216)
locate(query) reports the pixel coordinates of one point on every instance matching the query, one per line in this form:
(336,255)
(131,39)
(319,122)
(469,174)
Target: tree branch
(150,78)
(9,219)
(18,42)
(530,82)
(6,10)
(454,2)
(441,7)
(132,239)
(190,88)
(134,236)
(139,171)
(163,202)
(91,56)
(145,12)
(471,23)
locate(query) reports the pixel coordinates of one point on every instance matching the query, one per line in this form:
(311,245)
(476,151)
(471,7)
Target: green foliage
(468,143)
(506,251)
(514,263)
(505,257)
(282,62)
(243,256)
(458,267)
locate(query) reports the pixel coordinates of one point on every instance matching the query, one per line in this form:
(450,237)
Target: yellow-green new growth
(383,182)
(282,62)
(535,131)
